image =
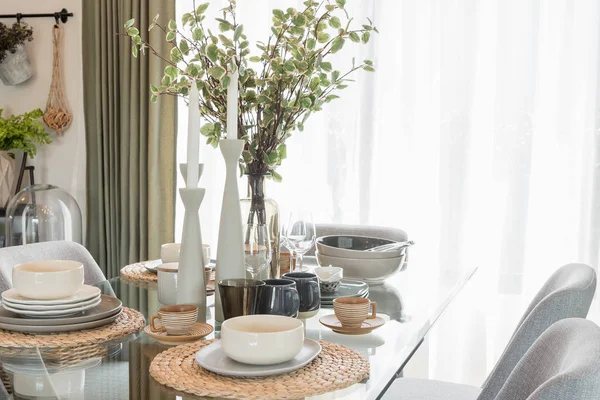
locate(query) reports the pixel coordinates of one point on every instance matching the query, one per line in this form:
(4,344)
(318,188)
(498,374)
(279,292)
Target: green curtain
(131,142)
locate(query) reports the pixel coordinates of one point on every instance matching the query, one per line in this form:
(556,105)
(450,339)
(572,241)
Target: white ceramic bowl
(262,339)
(369,270)
(47,280)
(346,246)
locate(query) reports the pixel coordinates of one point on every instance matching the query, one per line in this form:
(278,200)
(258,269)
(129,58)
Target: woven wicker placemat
(129,322)
(137,272)
(335,368)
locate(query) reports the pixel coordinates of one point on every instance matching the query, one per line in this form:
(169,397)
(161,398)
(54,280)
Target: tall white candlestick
(232,107)
(193,144)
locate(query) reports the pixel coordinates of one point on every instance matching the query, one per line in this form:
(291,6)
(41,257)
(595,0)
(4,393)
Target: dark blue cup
(307,285)
(278,297)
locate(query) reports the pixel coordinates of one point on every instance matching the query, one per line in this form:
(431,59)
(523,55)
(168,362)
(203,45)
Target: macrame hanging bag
(57,116)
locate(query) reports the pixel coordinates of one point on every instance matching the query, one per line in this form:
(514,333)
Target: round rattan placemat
(336,367)
(129,322)
(137,272)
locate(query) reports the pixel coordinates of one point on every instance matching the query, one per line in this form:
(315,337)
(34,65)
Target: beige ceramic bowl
(262,339)
(372,271)
(47,280)
(346,246)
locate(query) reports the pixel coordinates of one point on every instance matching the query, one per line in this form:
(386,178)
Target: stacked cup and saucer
(352,316)
(49,297)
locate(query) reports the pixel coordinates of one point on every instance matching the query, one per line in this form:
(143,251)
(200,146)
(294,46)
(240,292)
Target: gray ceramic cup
(239,296)
(278,297)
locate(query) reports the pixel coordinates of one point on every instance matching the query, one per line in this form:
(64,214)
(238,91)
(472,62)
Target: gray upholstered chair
(568,293)
(11,256)
(359,230)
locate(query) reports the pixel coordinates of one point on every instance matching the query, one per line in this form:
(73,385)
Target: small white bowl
(262,339)
(372,271)
(47,280)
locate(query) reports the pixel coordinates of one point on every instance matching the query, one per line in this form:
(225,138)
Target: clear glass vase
(257,208)
(42,213)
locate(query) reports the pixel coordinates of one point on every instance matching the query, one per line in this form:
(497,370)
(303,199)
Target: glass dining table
(411,302)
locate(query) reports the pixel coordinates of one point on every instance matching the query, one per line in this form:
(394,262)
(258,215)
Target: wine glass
(300,235)
(257,248)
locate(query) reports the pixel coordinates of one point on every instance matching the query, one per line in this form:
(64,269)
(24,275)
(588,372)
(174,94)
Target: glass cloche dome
(42,213)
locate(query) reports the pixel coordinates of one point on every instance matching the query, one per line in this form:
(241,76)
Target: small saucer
(368,326)
(198,331)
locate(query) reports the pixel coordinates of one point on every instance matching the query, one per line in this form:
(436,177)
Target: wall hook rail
(63,15)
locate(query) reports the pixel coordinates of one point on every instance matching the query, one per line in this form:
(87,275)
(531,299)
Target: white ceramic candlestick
(191,287)
(230,251)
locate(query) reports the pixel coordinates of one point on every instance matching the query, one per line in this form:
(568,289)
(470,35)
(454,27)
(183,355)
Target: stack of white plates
(87,297)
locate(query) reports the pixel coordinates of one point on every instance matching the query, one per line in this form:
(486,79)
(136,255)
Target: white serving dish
(48,280)
(348,246)
(85,292)
(214,359)
(372,271)
(262,339)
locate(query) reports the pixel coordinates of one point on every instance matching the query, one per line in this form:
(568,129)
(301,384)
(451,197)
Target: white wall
(61,163)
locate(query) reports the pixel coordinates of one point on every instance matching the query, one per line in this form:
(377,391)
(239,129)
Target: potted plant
(18,133)
(282,80)
(15,67)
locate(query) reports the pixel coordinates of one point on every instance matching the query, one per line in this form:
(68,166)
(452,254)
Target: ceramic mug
(177,319)
(167,283)
(238,296)
(352,311)
(169,252)
(307,285)
(278,297)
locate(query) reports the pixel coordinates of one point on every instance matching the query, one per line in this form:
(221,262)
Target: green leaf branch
(281,82)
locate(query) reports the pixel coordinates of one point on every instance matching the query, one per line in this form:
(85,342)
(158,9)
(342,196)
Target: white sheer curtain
(478,135)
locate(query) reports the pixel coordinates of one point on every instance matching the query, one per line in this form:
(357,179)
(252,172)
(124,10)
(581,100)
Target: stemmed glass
(299,236)
(257,248)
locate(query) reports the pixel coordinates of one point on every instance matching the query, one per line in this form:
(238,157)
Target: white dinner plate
(86,292)
(53,313)
(213,358)
(49,307)
(151,265)
(60,328)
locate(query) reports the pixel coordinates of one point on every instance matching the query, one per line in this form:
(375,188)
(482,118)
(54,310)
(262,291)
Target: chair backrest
(359,230)
(60,250)
(564,363)
(568,293)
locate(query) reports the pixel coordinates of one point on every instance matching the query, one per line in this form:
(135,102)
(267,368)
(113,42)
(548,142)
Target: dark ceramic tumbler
(239,296)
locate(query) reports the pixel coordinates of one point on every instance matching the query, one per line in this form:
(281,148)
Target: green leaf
(153,98)
(341,3)
(326,66)
(311,43)
(184,47)
(279,14)
(133,31)
(368,62)
(369,68)
(247,156)
(226,41)
(276,177)
(282,150)
(331,97)
(254,59)
(272,158)
(207,129)
(334,22)
(134,51)
(153,89)
(217,72)
(299,20)
(172,25)
(354,37)
(337,44)
(225,81)
(305,102)
(201,8)
(170,36)
(238,33)
(171,71)
(155,18)
(129,23)
(323,37)
(365,37)
(198,34)
(212,52)
(175,55)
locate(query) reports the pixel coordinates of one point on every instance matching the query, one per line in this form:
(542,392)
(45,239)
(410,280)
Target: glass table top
(411,302)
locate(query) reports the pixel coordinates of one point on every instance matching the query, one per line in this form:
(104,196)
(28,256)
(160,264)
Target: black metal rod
(63,15)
